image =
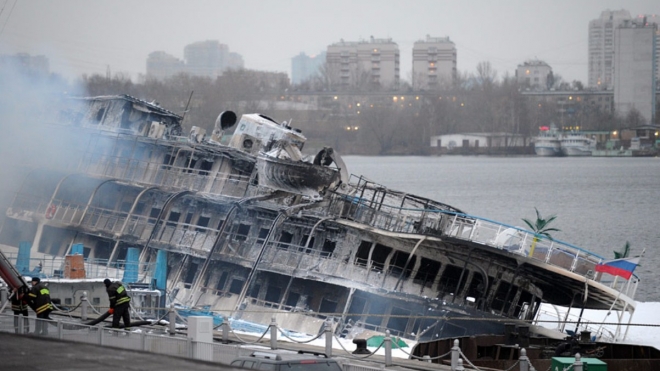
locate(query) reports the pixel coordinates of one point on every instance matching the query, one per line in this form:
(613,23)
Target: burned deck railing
(377,207)
(168,176)
(188,238)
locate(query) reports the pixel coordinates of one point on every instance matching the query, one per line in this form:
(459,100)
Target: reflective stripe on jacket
(17,304)
(39,298)
(117,294)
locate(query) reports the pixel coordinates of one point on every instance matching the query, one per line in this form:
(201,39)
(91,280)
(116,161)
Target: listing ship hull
(255,232)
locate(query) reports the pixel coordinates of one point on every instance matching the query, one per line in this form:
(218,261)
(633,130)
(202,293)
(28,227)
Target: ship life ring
(50,212)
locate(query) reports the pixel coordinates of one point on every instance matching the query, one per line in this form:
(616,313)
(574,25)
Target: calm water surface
(600,203)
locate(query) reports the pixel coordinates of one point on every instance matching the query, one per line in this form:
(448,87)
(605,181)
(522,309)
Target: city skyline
(81,37)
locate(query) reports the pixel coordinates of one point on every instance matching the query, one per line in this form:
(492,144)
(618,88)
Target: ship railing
(163,175)
(535,246)
(183,236)
(443,222)
(57,267)
(567,323)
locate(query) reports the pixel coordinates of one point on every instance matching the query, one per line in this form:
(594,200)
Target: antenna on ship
(183,116)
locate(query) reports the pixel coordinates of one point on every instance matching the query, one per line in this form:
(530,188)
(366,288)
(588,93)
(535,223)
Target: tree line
(365,120)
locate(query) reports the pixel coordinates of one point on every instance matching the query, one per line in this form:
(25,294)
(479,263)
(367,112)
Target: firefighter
(120,303)
(38,298)
(20,308)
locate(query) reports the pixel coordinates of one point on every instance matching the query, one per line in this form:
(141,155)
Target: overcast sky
(84,36)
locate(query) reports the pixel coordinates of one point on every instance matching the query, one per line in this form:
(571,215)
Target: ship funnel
(225,120)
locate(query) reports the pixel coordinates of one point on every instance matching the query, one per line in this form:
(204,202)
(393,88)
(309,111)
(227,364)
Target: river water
(600,203)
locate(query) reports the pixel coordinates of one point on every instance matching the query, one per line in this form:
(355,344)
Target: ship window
(99,115)
(477,286)
(236,286)
(96,301)
(522,306)
(356,309)
(68,301)
(190,275)
(303,242)
(205,167)
(379,256)
(428,270)
(328,248)
(202,223)
(502,297)
(449,279)
(398,320)
(254,292)
(285,240)
(273,295)
(328,306)
(292,299)
(377,309)
(242,232)
(173,218)
(126,206)
(398,262)
(154,213)
(220,286)
(189,217)
(362,256)
(191,164)
(263,233)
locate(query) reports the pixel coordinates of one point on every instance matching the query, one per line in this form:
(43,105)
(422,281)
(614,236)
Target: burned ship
(251,227)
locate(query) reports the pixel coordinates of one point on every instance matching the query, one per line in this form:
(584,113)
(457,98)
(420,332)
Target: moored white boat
(577,144)
(547,142)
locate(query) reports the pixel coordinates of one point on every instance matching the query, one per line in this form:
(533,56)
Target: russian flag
(619,267)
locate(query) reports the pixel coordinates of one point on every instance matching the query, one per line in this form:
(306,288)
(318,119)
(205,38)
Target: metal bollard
(3,295)
(172,318)
(388,349)
(455,353)
(83,306)
(459,366)
(577,366)
(225,330)
(328,338)
(524,360)
(273,333)
(427,358)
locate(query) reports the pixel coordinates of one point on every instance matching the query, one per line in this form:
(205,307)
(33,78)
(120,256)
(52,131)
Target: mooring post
(388,349)
(328,338)
(273,333)
(577,366)
(459,365)
(455,353)
(225,330)
(83,306)
(524,361)
(172,317)
(3,295)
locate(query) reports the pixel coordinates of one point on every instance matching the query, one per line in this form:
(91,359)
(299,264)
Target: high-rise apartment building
(205,58)
(535,75)
(161,65)
(305,67)
(601,47)
(635,68)
(372,64)
(433,63)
